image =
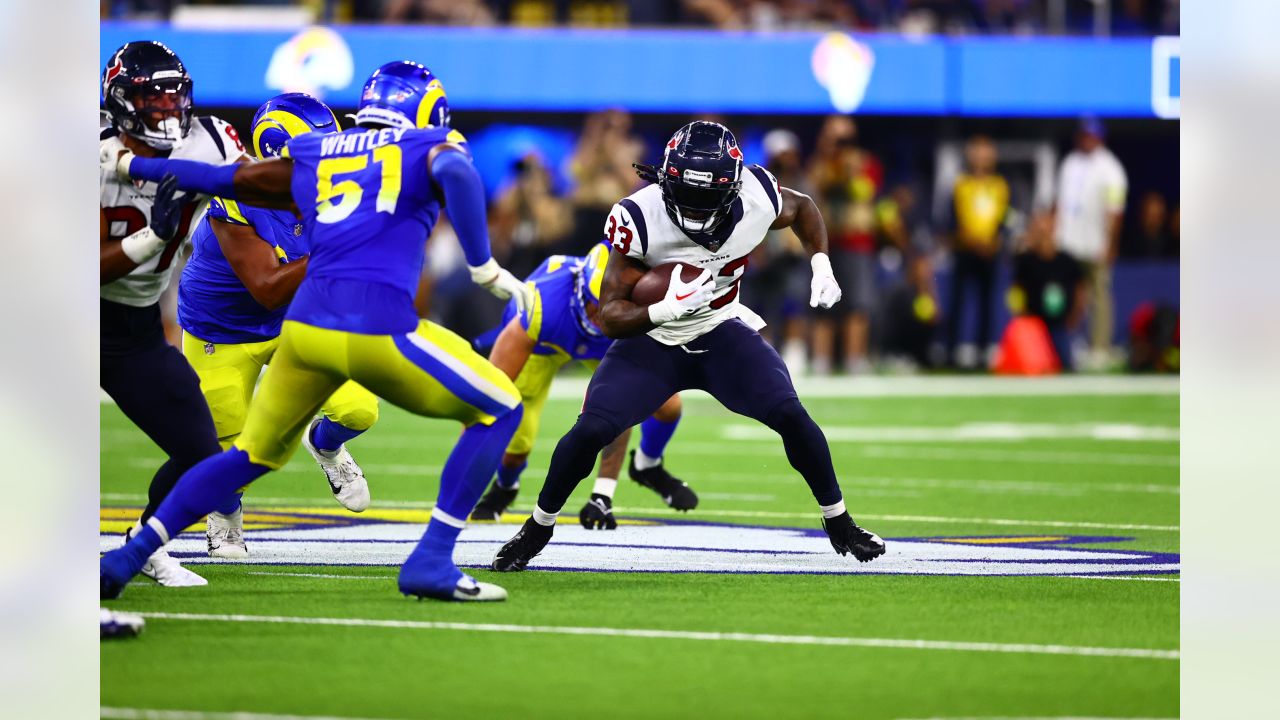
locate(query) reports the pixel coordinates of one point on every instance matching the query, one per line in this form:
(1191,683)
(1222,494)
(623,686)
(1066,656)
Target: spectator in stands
(602,173)
(911,314)
(448,12)
(1049,284)
(1092,187)
(846,180)
(777,284)
(979,205)
(528,217)
(1151,236)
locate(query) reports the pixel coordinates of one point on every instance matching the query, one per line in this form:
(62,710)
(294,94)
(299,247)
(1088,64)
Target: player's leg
(228,375)
(347,413)
(597,512)
(156,389)
(534,384)
(647,468)
(746,375)
(636,376)
(434,373)
(301,375)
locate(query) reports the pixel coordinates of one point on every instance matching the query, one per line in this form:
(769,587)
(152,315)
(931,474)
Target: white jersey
(128,209)
(639,227)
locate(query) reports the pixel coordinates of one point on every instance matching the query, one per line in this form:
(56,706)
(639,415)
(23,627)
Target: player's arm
(271,284)
(620,317)
(513,348)
(118,258)
(801,214)
(463,193)
(266,184)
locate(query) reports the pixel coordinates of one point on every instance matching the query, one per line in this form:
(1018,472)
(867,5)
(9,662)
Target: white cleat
(225,534)
(346,479)
(167,571)
(112,624)
(471,590)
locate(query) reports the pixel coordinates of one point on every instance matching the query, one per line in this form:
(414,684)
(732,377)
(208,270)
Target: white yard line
(1051,457)
(969,432)
(118,713)
(770,639)
(1123,577)
(325,575)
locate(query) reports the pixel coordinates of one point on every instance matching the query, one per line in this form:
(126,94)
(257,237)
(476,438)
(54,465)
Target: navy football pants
(155,387)
(732,363)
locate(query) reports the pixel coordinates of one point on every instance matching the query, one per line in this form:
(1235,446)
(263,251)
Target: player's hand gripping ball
(673,290)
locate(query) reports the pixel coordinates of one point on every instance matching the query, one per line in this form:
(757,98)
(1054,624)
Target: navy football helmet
(403,94)
(700,176)
(147,92)
(287,116)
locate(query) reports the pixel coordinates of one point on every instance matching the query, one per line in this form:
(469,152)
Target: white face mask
(166,136)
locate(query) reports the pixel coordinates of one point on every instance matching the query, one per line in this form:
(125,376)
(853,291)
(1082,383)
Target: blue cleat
(114,572)
(422,578)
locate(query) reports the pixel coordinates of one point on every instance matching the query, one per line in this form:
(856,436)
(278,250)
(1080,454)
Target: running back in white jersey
(639,227)
(128,209)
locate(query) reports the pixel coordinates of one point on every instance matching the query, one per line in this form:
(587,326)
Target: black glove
(597,514)
(166,211)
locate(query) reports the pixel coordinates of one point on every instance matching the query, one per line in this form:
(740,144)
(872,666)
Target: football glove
(493,277)
(682,298)
(597,514)
(166,210)
(824,291)
(114,158)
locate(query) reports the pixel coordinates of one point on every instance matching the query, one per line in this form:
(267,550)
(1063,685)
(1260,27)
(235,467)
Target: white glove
(683,298)
(114,157)
(493,277)
(824,291)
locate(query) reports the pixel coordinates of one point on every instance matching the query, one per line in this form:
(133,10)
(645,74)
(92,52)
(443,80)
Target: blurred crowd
(888,248)
(1118,17)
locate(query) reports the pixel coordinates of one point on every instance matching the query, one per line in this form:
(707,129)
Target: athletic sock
(654,436)
(328,435)
(509,478)
(644,460)
(232,505)
(544,518)
(472,463)
(605,487)
(830,511)
(206,487)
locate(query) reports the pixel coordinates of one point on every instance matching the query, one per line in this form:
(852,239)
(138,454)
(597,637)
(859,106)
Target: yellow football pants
(534,384)
(229,373)
(430,372)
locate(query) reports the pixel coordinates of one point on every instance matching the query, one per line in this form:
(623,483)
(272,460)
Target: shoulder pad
(770,185)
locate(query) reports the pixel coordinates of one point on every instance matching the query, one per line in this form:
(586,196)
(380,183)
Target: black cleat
(494,503)
(597,514)
(847,537)
(525,546)
(674,492)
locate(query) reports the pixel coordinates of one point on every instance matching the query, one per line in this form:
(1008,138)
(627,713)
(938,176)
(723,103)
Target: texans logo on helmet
(734,152)
(113,70)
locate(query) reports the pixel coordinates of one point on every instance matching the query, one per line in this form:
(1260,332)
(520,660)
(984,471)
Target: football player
(706,209)
(558,328)
(244,269)
(371,195)
(147,96)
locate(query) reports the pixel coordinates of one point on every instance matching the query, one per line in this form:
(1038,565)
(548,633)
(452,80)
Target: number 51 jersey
(639,227)
(127,206)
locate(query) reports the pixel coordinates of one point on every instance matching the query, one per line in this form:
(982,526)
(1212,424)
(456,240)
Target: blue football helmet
(403,94)
(287,116)
(700,176)
(147,92)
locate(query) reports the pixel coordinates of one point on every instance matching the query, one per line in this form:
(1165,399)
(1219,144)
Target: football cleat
(346,479)
(847,537)
(494,503)
(113,574)
(225,534)
(674,492)
(415,582)
(167,571)
(119,624)
(597,514)
(525,546)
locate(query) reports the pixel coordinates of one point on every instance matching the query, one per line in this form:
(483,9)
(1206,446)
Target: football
(653,286)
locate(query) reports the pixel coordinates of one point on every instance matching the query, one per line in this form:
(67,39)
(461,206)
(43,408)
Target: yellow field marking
(1002,540)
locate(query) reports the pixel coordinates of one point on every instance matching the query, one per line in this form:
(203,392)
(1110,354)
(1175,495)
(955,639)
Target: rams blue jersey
(369,205)
(557,320)
(213,305)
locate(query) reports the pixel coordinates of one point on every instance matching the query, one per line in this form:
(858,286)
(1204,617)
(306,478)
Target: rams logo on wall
(843,66)
(313,61)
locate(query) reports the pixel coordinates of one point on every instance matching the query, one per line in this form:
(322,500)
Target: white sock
(544,518)
(830,511)
(644,462)
(605,487)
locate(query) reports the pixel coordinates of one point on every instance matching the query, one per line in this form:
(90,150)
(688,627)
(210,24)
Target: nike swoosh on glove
(824,291)
(683,298)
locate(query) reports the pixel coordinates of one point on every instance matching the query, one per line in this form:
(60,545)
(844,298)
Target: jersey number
(348,193)
(132,220)
(734,269)
(619,237)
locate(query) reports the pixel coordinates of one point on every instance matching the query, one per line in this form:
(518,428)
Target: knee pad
(594,430)
(787,414)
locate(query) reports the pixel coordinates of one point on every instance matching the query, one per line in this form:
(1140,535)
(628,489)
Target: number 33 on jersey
(639,227)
